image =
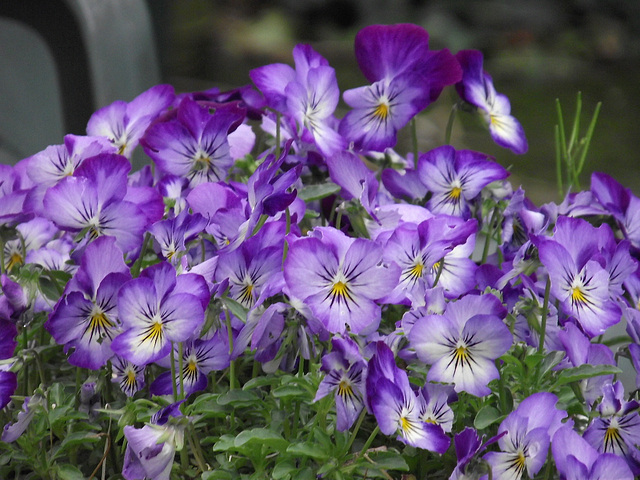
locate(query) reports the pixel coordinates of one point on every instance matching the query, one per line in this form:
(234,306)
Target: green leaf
(283,470)
(261,436)
(550,361)
(218,475)
(69,472)
(316,192)
(585,371)
(226,442)
(236,308)
(76,439)
(307,449)
(238,398)
(389,461)
(487,415)
(289,391)
(532,360)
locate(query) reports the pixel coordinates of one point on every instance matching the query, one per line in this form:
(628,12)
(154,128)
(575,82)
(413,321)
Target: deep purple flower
(456,177)
(127,375)
(340,278)
(462,344)
(193,145)
(199,357)
(85,320)
(397,407)
(405,75)
(525,444)
(580,278)
(56,162)
(617,429)
(307,95)
(575,459)
(173,234)
(476,88)
(345,370)
(156,309)
(12,431)
(93,200)
(124,123)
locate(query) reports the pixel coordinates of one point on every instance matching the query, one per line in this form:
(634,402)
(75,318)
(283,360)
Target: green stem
(137,265)
(354,434)
(543,319)
(174,384)
(490,231)
(181,367)
(369,441)
(232,365)
(196,450)
(26,385)
(558,162)
(452,117)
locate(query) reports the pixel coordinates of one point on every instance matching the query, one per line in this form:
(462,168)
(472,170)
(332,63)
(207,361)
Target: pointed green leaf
(319,191)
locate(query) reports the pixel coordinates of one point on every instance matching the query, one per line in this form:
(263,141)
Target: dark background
(536,51)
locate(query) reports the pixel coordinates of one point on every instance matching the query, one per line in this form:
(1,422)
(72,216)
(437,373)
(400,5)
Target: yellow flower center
(153,333)
(416,271)
(344,388)
(339,289)
(578,296)
(454,193)
(381,111)
(246,295)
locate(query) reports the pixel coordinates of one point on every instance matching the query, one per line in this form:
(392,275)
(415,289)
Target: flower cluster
(285,295)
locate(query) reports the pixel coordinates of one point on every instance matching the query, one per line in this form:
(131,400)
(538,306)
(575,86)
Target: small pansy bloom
(476,88)
(129,376)
(156,309)
(340,279)
(397,408)
(456,177)
(462,344)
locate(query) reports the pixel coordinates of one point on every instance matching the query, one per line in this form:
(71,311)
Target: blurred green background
(536,51)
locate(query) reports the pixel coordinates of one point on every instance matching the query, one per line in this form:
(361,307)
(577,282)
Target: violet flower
(151,449)
(127,375)
(93,200)
(124,123)
(13,431)
(617,429)
(156,309)
(85,319)
(456,177)
(525,444)
(345,370)
(462,344)
(397,407)
(193,145)
(575,459)
(405,77)
(340,278)
(476,88)
(578,279)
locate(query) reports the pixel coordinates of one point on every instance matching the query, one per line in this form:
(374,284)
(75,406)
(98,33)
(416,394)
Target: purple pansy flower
(405,77)
(575,459)
(340,278)
(12,431)
(124,123)
(525,444)
(345,370)
(200,357)
(476,88)
(156,309)
(397,408)
(85,320)
(456,177)
(307,95)
(129,376)
(578,279)
(193,145)
(617,430)
(462,344)
(93,200)
(151,449)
